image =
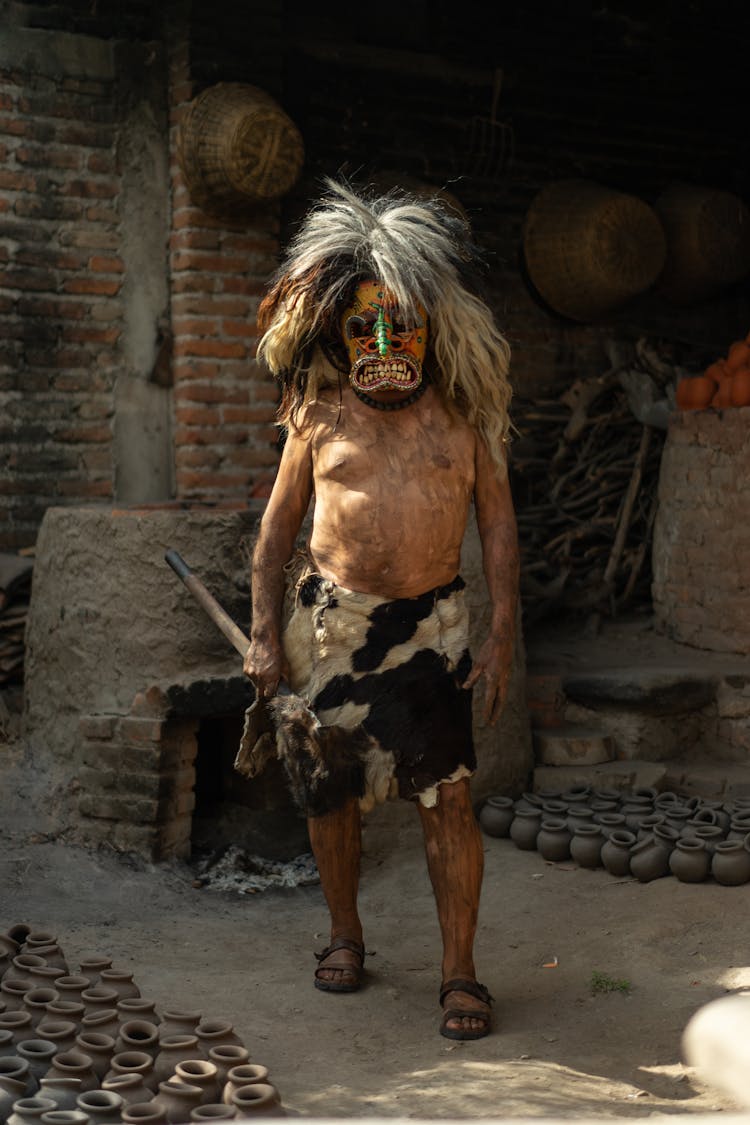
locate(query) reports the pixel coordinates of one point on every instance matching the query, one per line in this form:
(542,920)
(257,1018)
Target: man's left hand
(493,665)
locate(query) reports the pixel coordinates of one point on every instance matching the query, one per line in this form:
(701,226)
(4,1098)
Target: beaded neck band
(393,404)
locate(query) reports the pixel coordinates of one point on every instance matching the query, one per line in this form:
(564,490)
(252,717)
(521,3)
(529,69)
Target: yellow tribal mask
(384,353)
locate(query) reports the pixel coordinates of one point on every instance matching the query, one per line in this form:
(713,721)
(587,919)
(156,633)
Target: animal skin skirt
(383,679)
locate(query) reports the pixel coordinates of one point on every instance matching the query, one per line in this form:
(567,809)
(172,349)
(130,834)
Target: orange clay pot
(695,392)
(739,387)
(723,397)
(738,355)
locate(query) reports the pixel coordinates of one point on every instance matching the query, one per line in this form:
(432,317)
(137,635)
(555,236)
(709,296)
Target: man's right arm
(287,506)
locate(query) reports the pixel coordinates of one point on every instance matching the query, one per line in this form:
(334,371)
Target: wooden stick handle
(220,617)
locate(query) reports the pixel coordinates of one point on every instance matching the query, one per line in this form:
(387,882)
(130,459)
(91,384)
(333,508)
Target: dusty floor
(557,1050)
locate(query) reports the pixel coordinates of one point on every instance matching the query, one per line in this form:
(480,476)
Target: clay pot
(60,1032)
(64,1117)
(19,1023)
(44,976)
(11,1091)
(645,793)
(202,1073)
(67,1010)
(36,939)
(133,1062)
(99,998)
(259,1098)
(174,1049)
(648,823)
(38,1053)
(100,1049)
(246,1074)
(710,835)
(130,1087)
(35,1002)
(730,865)
(667,797)
(553,841)
(52,955)
(634,811)
(598,806)
(705,815)
(6,1041)
(225,1057)
(576,795)
(18,1069)
(689,861)
(91,967)
(144,1113)
(578,814)
(738,828)
(212,1032)
(677,816)
(74,1064)
(62,1091)
(496,816)
(649,858)
(138,1035)
(606,795)
(529,801)
(176,1021)
(616,852)
(554,809)
(72,987)
(18,932)
(213,1113)
(586,845)
(177,1099)
(609,823)
(22,964)
(13,991)
(137,1008)
(9,946)
(27,1111)
(101,1106)
(525,828)
(103,1022)
(121,981)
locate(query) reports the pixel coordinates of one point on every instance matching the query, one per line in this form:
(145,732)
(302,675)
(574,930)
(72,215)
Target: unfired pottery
(259,1098)
(214,1031)
(38,1054)
(586,845)
(101,1106)
(225,1057)
(730,865)
(100,1049)
(553,840)
(174,1049)
(121,980)
(35,1002)
(214,1112)
(64,1117)
(133,1062)
(27,1111)
(74,1064)
(616,852)
(525,828)
(496,816)
(144,1113)
(689,861)
(138,1035)
(62,1091)
(246,1074)
(202,1073)
(177,1099)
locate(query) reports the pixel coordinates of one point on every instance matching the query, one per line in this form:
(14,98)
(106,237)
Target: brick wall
(702,531)
(60,274)
(225,439)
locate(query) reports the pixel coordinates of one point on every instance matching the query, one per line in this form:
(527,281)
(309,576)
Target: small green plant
(602,982)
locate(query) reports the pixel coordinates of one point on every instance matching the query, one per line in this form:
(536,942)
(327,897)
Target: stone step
(651,691)
(688,777)
(572,744)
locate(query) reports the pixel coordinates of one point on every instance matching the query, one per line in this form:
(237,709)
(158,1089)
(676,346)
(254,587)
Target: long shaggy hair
(421,253)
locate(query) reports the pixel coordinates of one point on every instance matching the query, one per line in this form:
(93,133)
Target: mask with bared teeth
(384,353)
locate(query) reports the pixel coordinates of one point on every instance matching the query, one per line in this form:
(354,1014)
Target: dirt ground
(557,1050)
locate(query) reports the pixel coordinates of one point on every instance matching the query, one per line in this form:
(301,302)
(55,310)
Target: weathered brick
(99,727)
(140,810)
(136,730)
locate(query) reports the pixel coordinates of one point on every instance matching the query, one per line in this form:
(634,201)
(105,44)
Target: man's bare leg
(336,840)
(455,860)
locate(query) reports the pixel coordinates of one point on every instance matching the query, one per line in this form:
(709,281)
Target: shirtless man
(393,464)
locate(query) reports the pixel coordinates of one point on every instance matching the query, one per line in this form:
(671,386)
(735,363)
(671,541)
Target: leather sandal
(340,965)
(479,992)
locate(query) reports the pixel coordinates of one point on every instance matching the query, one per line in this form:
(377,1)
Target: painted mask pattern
(384,353)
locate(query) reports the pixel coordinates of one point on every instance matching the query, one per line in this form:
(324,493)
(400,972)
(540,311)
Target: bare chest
(375,450)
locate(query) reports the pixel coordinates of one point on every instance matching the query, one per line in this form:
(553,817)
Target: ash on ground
(233,869)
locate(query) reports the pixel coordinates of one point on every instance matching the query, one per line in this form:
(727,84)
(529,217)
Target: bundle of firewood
(15,593)
(584,475)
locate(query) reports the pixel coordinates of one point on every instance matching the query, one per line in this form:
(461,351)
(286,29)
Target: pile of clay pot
(642,833)
(80,1047)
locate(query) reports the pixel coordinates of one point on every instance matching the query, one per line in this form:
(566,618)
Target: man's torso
(392,493)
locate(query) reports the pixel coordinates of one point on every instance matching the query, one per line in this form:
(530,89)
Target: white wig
(422,253)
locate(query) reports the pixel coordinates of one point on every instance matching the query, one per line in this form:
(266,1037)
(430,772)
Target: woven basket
(588,249)
(708,242)
(236,147)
